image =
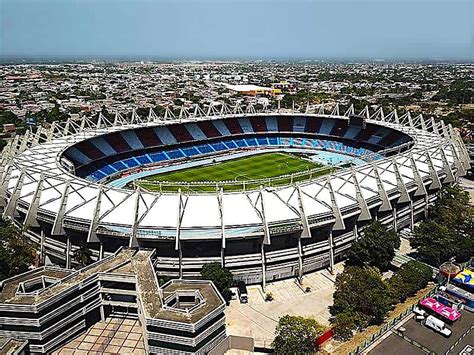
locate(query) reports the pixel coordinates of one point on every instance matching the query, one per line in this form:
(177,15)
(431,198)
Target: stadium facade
(59,182)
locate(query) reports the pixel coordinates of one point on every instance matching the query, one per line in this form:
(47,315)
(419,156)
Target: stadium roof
(39,186)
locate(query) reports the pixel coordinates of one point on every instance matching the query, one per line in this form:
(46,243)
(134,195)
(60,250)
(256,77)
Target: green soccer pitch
(269,168)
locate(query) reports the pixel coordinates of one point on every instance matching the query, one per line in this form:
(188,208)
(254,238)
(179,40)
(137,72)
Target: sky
(238,29)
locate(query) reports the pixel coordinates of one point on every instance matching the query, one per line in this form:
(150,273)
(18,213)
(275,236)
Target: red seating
(209,129)
(285,124)
(117,142)
(313,125)
(259,124)
(365,134)
(233,125)
(180,133)
(90,150)
(340,128)
(148,137)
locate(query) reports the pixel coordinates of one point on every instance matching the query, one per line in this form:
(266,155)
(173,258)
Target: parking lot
(427,337)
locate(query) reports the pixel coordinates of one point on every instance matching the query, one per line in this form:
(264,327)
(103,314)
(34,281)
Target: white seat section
(79,156)
(327,126)
(272,124)
(195,131)
(132,139)
(299,124)
(101,144)
(246,125)
(221,127)
(165,135)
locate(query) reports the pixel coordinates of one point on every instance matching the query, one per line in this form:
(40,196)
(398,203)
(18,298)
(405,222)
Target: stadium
(269,195)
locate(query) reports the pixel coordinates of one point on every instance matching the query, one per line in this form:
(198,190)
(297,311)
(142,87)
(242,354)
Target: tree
(16,252)
(375,248)
(409,279)
(448,231)
(296,335)
(345,323)
(434,242)
(362,295)
(221,277)
(83,255)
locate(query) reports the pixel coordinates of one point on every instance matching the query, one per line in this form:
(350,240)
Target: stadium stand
(165,135)
(103,146)
(221,127)
(180,133)
(245,125)
(285,124)
(148,137)
(195,131)
(132,139)
(259,124)
(104,156)
(209,129)
(117,142)
(90,150)
(233,126)
(313,126)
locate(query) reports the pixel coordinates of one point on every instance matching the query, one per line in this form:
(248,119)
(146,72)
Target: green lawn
(260,166)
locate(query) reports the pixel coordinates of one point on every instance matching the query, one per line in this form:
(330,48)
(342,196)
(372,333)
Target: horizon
(174,30)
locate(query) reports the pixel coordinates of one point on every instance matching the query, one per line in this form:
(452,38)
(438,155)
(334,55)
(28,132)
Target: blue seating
(218,146)
(251,142)
(143,159)
(241,143)
(118,165)
(230,144)
(175,154)
(204,149)
(131,163)
(262,141)
(157,157)
(273,140)
(189,152)
(108,170)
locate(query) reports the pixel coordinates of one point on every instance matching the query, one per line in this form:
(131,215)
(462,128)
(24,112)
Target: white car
(419,313)
(437,325)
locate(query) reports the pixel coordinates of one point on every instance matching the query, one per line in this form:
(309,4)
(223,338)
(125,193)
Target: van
(437,325)
(243,295)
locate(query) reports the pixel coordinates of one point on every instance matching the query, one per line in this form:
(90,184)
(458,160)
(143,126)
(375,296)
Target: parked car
(420,314)
(243,295)
(437,325)
(234,293)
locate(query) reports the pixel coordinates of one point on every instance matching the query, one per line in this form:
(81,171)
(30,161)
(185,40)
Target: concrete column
(425,210)
(101,250)
(264,272)
(180,255)
(412,216)
(300,260)
(355,231)
(223,257)
(42,248)
(331,253)
(395,226)
(68,252)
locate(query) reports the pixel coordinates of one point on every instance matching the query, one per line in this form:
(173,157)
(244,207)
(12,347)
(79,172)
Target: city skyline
(280,30)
